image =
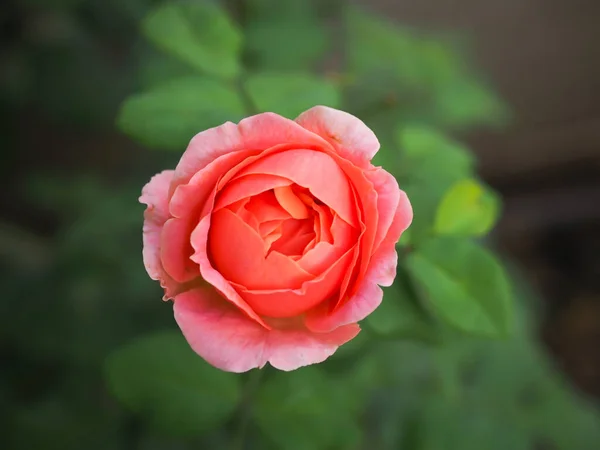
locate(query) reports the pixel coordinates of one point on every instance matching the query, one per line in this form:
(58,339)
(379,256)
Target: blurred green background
(75,290)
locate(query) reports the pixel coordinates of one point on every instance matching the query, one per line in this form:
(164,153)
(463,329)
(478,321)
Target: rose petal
(292,302)
(382,271)
(238,254)
(351,138)
(402,220)
(325,219)
(318,258)
(267,209)
(366,299)
(199,240)
(176,250)
(261,131)
(290,202)
(248,186)
(388,197)
(314,170)
(365,198)
(296,234)
(155,196)
(228,340)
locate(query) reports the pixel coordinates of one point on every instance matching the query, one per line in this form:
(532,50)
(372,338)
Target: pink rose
(273,236)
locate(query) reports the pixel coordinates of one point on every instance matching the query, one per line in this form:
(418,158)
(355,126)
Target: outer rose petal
(261,131)
(230,341)
(155,195)
(388,197)
(349,135)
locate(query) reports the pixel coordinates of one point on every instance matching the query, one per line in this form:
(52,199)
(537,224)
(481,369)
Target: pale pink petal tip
(348,134)
(155,196)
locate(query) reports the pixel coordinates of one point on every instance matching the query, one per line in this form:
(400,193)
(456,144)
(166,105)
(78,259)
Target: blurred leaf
(290,94)
(377,45)
(157,68)
(430,164)
(199,33)
(468,208)
(466,102)
(305,410)
(399,316)
(429,154)
(160,377)
(446,427)
(426,76)
(171,114)
(465,285)
(284,35)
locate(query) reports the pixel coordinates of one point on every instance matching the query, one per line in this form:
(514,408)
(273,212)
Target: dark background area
(64,73)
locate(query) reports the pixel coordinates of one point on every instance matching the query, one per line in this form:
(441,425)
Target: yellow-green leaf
(468,208)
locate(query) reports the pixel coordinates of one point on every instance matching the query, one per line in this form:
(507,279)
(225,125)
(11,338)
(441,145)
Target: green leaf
(377,45)
(284,35)
(160,377)
(427,76)
(290,94)
(443,427)
(171,114)
(199,33)
(464,285)
(428,154)
(305,410)
(430,164)
(468,101)
(156,68)
(400,317)
(468,209)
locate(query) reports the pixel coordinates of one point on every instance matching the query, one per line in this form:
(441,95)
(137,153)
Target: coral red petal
(291,202)
(314,170)
(248,186)
(230,341)
(402,220)
(325,219)
(381,272)
(266,208)
(388,197)
(366,299)
(238,254)
(199,239)
(351,138)
(289,303)
(176,250)
(385,259)
(260,132)
(319,258)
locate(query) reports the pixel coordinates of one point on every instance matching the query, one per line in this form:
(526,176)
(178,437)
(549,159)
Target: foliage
(447,361)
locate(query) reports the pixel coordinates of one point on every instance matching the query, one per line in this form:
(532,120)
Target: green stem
(245,408)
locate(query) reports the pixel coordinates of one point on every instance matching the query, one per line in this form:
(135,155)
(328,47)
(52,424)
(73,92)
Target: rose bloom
(273,236)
